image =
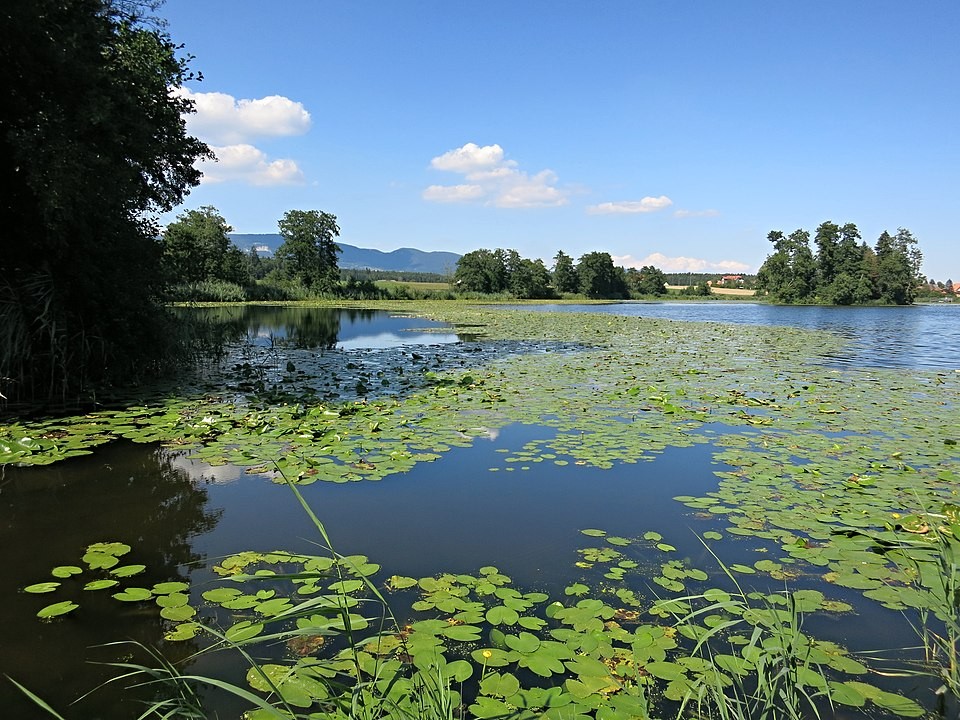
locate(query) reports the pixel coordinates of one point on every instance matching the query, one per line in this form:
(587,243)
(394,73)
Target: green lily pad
(101,584)
(134,594)
(57,609)
(65,571)
(128,570)
(44,587)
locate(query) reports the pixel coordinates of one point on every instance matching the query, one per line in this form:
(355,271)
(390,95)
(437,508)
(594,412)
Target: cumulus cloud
(470,158)
(245,163)
(229,125)
(224,120)
(493,180)
(682,264)
(631,207)
(695,213)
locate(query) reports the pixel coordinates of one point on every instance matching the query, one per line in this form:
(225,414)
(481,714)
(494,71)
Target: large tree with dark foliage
(844,271)
(92,146)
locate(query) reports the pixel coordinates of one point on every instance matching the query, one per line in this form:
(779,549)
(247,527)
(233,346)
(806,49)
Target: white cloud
(224,120)
(469,158)
(493,180)
(453,193)
(245,163)
(631,207)
(681,263)
(695,213)
(520,190)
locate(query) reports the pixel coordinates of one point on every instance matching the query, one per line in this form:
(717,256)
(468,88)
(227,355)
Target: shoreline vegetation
(869,519)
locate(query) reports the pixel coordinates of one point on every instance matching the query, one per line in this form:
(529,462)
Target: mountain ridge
(354,258)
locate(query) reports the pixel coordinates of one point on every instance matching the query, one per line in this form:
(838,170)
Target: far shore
(719,290)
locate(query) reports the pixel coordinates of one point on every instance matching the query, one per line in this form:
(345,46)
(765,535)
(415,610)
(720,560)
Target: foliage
(196,248)
(844,270)
(599,278)
(648,280)
(482,271)
(700,289)
(497,271)
(565,278)
(309,252)
(396,275)
(94,145)
(218,291)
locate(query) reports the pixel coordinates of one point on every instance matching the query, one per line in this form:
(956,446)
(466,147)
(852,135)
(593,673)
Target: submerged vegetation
(844,481)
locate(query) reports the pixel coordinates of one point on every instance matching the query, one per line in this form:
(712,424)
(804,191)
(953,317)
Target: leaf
(57,609)
(101,584)
(177,613)
(183,631)
(65,571)
(243,630)
(523,643)
(128,570)
(221,595)
(44,587)
(501,615)
(594,533)
(461,633)
(134,594)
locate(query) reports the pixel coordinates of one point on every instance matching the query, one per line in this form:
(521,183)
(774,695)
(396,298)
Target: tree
(898,267)
(530,279)
(93,146)
(648,280)
(481,271)
(789,275)
(599,278)
(196,247)
(565,278)
(309,253)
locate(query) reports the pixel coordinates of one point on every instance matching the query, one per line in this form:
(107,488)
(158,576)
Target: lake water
(451,515)
(915,336)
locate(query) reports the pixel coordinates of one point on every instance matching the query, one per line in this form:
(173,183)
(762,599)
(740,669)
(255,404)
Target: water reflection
(127,493)
(312,328)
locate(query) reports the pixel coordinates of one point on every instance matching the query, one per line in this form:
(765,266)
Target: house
(730,280)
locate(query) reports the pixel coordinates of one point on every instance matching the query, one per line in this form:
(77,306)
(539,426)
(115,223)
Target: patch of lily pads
(847,478)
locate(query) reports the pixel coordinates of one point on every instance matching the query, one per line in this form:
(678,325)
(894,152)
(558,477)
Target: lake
(915,336)
(488,502)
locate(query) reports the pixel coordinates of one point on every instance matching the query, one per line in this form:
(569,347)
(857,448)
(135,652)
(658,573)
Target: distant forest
(365,274)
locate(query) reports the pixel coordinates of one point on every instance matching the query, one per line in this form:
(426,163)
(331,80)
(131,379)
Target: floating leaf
(134,594)
(57,609)
(44,587)
(128,570)
(65,571)
(101,584)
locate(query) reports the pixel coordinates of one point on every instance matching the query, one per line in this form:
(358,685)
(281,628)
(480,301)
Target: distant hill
(403,260)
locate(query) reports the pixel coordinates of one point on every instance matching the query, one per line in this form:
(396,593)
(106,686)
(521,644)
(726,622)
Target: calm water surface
(916,336)
(455,515)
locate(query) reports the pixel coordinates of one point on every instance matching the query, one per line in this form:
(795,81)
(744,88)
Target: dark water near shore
(451,515)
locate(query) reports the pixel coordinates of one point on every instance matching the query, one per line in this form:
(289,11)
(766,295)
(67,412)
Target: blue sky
(669,133)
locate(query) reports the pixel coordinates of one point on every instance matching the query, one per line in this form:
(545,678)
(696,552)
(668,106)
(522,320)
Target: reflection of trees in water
(125,492)
(300,327)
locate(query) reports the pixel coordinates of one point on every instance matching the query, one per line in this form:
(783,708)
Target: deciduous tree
(309,252)
(93,146)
